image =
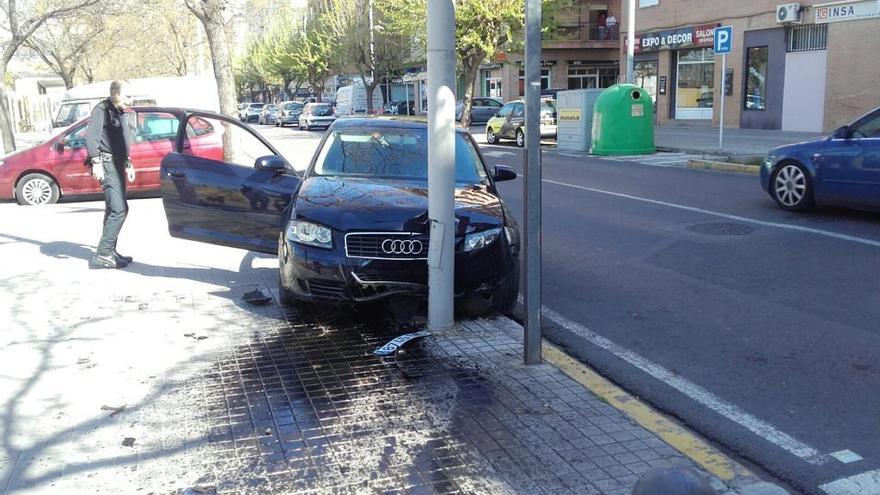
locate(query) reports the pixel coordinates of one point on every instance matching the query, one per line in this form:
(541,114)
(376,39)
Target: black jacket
(108,131)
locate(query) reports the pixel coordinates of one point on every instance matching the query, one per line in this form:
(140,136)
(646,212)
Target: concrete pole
(630,40)
(532,185)
(441,163)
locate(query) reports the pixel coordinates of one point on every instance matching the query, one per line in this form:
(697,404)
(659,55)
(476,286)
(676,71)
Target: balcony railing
(582,31)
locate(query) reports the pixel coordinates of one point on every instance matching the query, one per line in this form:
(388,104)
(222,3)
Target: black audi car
(353,227)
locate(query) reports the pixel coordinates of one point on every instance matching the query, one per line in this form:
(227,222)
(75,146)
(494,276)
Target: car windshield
(272,107)
(322,110)
(398,153)
(256,105)
(293,106)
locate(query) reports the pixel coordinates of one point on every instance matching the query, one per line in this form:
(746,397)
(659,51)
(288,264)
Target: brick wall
(853,81)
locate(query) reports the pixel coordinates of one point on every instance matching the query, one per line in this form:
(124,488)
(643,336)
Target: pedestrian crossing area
(660,159)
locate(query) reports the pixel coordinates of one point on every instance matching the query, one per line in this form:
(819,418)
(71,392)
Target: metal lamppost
(532,186)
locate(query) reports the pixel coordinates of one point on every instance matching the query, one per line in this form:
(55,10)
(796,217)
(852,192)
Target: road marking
(680,438)
(867,483)
(846,456)
(699,394)
(785,226)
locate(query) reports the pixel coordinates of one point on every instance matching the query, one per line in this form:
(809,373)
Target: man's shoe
(104,261)
(126,259)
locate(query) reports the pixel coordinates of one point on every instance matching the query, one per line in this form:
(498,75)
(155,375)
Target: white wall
(803,103)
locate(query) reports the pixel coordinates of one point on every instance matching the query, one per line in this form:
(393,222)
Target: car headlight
(310,233)
(479,240)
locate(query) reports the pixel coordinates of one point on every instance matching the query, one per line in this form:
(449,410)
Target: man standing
(108,141)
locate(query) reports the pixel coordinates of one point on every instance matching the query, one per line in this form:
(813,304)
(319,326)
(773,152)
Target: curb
(724,167)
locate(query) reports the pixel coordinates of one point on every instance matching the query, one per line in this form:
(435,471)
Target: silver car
(482,109)
(316,115)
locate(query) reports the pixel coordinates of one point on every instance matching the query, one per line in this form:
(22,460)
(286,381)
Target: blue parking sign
(723,39)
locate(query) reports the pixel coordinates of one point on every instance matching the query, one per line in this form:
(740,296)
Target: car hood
(348,204)
(794,148)
(28,157)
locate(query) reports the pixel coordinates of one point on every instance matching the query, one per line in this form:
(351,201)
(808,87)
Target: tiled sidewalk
(231,398)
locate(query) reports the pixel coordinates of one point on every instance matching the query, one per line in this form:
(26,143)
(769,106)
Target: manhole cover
(721,229)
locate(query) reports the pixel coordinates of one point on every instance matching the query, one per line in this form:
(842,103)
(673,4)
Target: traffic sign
(723,39)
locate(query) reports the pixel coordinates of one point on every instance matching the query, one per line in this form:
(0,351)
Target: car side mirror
(271,163)
(503,173)
(59,145)
(841,132)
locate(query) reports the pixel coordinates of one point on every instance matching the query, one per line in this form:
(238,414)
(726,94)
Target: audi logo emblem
(401,246)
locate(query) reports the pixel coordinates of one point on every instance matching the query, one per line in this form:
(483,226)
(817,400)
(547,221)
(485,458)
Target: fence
(32,113)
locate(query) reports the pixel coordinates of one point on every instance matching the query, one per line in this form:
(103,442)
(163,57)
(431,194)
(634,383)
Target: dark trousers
(116,206)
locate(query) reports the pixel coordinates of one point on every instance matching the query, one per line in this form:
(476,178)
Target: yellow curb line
(724,166)
(681,439)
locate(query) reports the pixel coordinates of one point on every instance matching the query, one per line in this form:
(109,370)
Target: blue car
(843,169)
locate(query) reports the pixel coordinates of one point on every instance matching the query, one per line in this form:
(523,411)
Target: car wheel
(36,189)
(491,138)
(791,187)
(520,138)
(505,297)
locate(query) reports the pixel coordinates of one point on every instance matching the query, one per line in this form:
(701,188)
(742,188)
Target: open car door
(225,184)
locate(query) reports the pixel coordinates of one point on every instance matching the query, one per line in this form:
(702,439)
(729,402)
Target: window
(518,110)
(221,140)
(807,38)
(69,113)
(756,78)
(645,75)
(77,138)
(545,80)
(648,3)
(505,110)
(392,153)
(868,127)
(591,77)
(696,82)
(156,126)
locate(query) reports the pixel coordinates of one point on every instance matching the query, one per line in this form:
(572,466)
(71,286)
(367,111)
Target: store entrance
(695,84)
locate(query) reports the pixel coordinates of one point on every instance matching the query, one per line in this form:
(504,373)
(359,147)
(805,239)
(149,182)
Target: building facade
(793,66)
(579,50)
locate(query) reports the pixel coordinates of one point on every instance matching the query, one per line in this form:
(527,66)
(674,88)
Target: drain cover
(721,229)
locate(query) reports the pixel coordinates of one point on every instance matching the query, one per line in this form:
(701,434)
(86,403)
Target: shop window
(591,77)
(645,75)
(756,78)
(695,84)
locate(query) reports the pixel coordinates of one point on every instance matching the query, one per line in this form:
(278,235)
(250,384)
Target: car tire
(491,138)
(792,187)
(520,138)
(505,297)
(36,189)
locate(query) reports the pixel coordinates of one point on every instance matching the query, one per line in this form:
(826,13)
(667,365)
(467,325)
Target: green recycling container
(623,122)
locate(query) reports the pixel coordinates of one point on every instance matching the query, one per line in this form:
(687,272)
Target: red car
(57,168)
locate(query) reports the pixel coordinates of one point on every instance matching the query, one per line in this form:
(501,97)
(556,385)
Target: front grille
(387,245)
(326,288)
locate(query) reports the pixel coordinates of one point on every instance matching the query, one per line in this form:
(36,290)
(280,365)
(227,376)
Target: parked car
(706,99)
(354,227)
(482,109)
(509,122)
(289,112)
(252,112)
(268,115)
(842,169)
(57,168)
(316,115)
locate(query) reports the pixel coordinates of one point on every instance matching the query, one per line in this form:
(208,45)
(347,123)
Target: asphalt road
(757,327)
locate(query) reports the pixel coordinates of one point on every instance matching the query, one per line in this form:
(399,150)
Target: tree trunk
(212,20)
(472,71)
(67,77)
(6,124)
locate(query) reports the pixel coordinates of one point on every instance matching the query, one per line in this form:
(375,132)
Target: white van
(351,100)
(198,93)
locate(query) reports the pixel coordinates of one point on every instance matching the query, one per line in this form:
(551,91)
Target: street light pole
(532,186)
(441,163)
(630,40)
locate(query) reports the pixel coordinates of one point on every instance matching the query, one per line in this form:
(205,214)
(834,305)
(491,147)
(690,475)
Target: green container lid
(623,122)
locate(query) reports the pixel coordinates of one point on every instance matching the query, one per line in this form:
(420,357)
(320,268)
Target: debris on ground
(256,298)
(192,335)
(83,361)
(268,431)
(128,442)
(114,409)
(396,343)
(199,490)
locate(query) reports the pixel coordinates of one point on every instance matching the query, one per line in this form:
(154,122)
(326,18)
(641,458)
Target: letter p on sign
(723,39)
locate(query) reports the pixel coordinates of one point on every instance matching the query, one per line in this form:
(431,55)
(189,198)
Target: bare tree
(22,23)
(62,43)
(210,13)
